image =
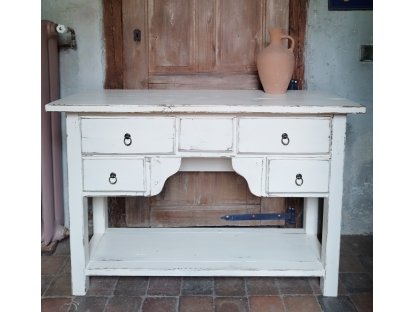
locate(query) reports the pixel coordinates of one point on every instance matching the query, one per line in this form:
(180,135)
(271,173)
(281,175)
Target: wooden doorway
(196,44)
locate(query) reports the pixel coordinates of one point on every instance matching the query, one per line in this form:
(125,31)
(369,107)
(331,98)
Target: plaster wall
(332,63)
(81,69)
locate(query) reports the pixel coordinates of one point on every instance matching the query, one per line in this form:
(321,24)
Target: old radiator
(53,228)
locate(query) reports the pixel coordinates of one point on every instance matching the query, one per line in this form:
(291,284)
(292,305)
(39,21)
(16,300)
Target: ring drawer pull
(113,178)
(299,180)
(285,139)
(127,139)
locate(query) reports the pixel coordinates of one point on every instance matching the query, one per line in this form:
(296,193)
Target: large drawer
(297,176)
(206,134)
(284,135)
(114,175)
(130,135)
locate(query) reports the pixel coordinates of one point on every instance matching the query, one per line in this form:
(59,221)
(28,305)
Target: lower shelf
(204,252)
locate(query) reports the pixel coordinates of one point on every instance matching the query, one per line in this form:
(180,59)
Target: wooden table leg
(331,224)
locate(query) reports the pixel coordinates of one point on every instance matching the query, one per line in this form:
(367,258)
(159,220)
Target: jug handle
(292,45)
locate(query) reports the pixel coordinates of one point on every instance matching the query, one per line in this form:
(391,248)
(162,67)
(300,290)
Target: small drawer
(206,134)
(298,176)
(284,135)
(130,135)
(114,175)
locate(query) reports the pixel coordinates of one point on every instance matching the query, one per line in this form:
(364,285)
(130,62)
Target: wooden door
(193,44)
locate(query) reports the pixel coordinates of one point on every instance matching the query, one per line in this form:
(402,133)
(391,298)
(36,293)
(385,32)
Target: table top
(205,101)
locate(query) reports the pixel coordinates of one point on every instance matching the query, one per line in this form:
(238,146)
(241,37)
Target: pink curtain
(53,228)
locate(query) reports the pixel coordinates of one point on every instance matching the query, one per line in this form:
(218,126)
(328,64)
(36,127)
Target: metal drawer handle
(299,180)
(285,139)
(127,139)
(113,178)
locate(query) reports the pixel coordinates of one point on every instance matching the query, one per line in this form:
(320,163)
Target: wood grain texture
(277,15)
(298,10)
(217,81)
(180,37)
(201,199)
(206,39)
(113,37)
(135,54)
(239,35)
(171,36)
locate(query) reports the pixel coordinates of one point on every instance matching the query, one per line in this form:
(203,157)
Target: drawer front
(206,134)
(114,175)
(296,176)
(132,135)
(284,135)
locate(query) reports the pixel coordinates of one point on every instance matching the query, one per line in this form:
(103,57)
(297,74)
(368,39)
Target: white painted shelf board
(204,252)
(205,101)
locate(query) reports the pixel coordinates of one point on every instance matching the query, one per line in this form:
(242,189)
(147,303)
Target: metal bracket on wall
(66,37)
(289,216)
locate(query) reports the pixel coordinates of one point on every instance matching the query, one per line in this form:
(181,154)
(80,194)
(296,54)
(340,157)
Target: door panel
(171,36)
(205,60)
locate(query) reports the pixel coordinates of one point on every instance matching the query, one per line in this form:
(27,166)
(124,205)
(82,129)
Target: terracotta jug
(275,63)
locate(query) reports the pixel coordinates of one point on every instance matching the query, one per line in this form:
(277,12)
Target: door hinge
(289,216)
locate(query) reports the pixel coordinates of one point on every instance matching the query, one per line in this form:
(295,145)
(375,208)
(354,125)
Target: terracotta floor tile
(357,244)
(131,286)
(350,263)
(52,264)
(63,247)
(55,304)
(266,304)
(60,286)
(294,285)
(231,304)
(230,286)
(196,304)
(123,304)
(198,286)
(88,304)
(166,286)
(357,282)
(336,304)
(262,286)
(102,285)
(45,282)
(67,267)
(154,304)
(315,284)
(301,304)
(363,302)
(367,262)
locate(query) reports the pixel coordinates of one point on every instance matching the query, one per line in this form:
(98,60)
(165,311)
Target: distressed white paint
(207,101)
(209,252)
(160,170)
(310,215)
(222,252)
(147,135)
(77,208)
(282,176)
(129,174)
(264,135)
(206,164)
(99,214)
(206,134)
(331,229)
(252,170)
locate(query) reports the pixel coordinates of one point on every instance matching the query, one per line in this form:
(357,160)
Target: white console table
(127,143)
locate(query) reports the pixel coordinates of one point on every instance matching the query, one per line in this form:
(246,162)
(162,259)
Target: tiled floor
(251,294)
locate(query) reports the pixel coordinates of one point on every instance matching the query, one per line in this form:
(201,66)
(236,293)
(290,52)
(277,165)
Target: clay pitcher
(275,63)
